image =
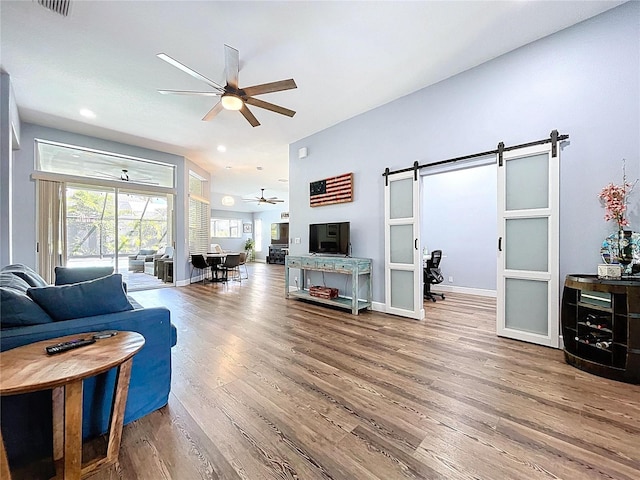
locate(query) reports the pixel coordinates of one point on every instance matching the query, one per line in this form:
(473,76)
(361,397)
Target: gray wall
(583,81)
(24,196)
(233,244)
(459,217)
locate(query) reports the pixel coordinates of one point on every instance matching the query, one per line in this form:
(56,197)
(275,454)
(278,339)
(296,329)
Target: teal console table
(356,267)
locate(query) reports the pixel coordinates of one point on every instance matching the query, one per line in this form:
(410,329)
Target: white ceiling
(346,58)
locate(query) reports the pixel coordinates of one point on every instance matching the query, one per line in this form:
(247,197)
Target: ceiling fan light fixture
(231,102)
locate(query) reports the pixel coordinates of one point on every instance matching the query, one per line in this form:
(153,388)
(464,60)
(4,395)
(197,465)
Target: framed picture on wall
(246,228)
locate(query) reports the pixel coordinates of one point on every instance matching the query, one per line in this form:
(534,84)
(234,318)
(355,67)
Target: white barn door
(528,250)
(403,262)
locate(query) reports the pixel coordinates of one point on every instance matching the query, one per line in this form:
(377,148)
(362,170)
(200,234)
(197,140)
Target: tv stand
(356,267)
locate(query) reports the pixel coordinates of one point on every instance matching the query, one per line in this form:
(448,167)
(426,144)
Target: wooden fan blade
(189,92)
(270,87)
(232,66)
(217,108)
(185,69)
(249,116)
(269,106)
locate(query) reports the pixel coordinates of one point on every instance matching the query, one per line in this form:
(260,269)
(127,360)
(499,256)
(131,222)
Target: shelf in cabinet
(594,328)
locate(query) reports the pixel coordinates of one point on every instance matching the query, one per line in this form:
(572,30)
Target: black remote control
(70,345)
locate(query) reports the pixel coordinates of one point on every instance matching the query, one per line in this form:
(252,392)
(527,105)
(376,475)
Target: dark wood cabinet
(277,254)
(601,326)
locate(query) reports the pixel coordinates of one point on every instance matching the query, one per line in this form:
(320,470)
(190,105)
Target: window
(226,227)
(199,213)
(95,164)
(258,235)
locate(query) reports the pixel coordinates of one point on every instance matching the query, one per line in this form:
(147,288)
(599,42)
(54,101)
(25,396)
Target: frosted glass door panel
(526,305)
(402,244)
(402,289)
(401,192)
(527,182)
(526,246)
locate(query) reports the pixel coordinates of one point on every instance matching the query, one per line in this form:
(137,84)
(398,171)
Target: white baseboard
(467,290)
(378,307)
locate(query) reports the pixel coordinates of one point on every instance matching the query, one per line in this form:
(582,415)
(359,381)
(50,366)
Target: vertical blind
(199,215)
(51,228)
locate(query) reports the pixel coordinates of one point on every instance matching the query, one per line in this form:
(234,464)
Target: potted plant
(248,247)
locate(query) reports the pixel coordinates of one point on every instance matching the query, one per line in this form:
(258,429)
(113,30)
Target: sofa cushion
(85,299)
(68,275)
(18,310)
(27,274)
(9,280)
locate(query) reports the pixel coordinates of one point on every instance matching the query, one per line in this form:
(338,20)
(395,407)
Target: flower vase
(625,249)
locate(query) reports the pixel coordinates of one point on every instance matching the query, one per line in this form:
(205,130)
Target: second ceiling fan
(232,97)
(261,199)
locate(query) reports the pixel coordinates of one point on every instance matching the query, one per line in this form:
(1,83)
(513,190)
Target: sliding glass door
(113,226)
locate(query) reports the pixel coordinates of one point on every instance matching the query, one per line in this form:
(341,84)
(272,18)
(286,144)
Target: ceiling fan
(261,199)
(232,97)
(124,176)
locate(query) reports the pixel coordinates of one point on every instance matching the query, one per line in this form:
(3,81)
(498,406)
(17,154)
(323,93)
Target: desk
(29,369)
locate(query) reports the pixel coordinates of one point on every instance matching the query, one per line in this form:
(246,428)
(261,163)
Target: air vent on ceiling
(58,6)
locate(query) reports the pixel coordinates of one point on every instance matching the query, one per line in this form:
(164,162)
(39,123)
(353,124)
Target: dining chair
(231,263)
(200,263)
(243,262)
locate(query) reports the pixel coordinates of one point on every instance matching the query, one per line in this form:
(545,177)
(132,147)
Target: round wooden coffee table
(29,369)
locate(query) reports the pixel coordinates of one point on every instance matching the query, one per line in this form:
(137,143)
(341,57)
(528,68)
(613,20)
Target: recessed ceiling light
(75,155)
(258,168)
(283,180)
(85,112)
(222,148)
(228,167)
(228,201)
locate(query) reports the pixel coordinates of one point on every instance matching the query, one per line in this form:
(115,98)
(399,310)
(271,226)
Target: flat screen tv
(330,238)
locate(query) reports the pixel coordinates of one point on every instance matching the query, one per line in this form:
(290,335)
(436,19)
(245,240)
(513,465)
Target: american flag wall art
(331,190)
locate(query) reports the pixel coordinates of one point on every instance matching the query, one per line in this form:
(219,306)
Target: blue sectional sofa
(26,419)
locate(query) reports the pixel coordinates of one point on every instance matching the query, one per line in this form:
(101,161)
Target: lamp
(231,102)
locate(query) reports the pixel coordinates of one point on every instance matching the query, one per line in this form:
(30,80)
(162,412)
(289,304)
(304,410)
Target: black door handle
(500,244)
(415,244)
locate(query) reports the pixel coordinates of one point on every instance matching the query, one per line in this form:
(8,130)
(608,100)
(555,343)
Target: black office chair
(231,263)
(200,263)
(432,275)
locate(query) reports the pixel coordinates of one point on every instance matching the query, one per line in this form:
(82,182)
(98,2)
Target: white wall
(582,81)
(268,217)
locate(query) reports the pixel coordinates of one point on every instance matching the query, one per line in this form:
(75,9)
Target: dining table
(215,259)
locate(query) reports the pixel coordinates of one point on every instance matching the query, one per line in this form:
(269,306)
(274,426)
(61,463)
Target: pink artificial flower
(614,198)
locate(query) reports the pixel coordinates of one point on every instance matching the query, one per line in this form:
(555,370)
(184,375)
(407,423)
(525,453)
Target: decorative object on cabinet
(615,199)
(331,190)
(601,326)
(610,248)
(356,267)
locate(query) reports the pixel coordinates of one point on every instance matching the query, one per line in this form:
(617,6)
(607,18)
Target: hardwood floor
(268,388)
